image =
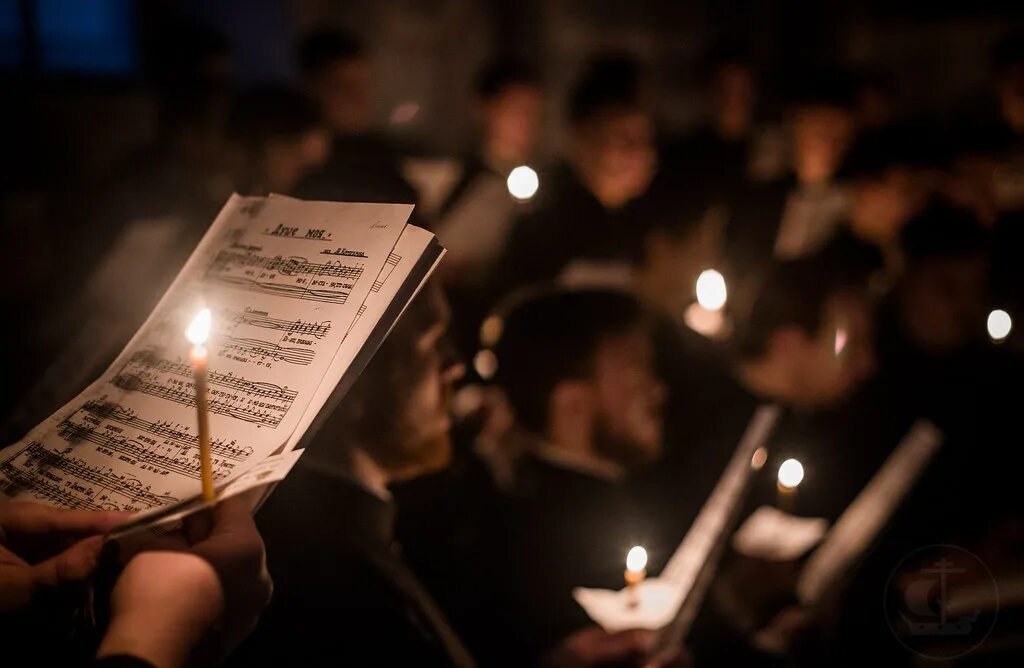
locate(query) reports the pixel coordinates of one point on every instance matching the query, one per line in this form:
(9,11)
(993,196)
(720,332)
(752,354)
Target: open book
(302,294)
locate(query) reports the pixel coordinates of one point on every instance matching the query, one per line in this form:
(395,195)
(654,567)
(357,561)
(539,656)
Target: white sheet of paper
(774,535)
(284,280)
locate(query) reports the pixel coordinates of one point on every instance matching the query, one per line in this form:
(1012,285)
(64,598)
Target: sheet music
(410,247)
(860,523)
(285,280)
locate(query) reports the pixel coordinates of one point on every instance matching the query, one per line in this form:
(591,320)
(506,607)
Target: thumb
(72,565)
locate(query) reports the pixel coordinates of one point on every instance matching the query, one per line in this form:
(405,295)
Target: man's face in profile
(629,399)
(425,442)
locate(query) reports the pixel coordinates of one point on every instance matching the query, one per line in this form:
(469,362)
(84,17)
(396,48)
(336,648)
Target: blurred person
(715,161)
(796,216)
(363,166)
(279,139)
(191,598)
(942,298)
(344,592)
(583,227)
(476,217)
(577,368)
(890,176)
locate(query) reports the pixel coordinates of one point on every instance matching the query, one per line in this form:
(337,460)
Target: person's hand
(200,593)
(43,547)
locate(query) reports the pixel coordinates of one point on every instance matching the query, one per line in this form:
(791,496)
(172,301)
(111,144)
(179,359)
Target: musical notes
(284,282)
(250,401)
(317,330)
(68,481)
(292,277)
(264,350)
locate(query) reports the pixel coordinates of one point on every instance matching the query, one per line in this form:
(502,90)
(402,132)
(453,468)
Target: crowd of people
(560,392)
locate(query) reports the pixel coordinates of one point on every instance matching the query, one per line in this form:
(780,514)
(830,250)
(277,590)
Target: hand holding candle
(197,333)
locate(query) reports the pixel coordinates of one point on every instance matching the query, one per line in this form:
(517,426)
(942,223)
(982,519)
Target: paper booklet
(302,294)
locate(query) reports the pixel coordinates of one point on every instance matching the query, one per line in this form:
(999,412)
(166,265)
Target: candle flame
(199,329)
(999,324)
(523,183)
(791,473)
(711,290)
(636,560)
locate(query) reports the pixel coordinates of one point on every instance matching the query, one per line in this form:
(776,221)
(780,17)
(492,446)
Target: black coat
(343,596)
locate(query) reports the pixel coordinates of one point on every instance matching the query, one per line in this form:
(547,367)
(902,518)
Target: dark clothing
(342,593)
(565,529)
(568,223)
(706,165)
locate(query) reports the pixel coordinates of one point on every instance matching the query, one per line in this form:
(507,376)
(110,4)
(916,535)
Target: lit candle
(999,325)
(711,291)
(791,474)
(705,316)
(522,183)
(636,572)
(197,333)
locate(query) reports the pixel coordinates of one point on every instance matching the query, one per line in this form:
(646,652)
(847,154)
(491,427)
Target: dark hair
(270,111)
(324,46)
(553,336)
(943,231)
(610,81)
(793,295)
(498,74)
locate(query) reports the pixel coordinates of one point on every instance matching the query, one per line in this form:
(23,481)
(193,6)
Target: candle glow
(523,183)
(791,473)
(711,290)
(999,324)
(197,333)
(636,560)
(199,329)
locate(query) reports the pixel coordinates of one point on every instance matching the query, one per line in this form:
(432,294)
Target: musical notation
(250,401)
(287,266)
(282,290)
(317,330)
(172,432)
(67,481)
(257,348)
